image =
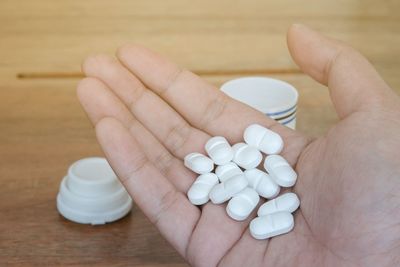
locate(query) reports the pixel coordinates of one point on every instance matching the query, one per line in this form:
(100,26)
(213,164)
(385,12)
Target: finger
(156,115)
(99,102)
(219,229)
(216,229)
(253,249)
(353,83)
(200,103)
(166,207)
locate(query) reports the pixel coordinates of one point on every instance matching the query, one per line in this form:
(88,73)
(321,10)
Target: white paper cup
(275,98)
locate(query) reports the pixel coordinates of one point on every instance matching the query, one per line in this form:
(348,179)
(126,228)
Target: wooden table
(43,129)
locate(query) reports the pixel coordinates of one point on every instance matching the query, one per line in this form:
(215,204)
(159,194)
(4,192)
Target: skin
(149,113)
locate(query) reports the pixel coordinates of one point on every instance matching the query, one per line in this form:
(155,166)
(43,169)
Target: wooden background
(43,129)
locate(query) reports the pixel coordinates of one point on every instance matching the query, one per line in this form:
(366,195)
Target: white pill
(198,163)
(224,172)
(242,204)
(280,170)
(271,225)
(200,189)
(219,150)
(247,157)
(224,191)
(262,183)
(287,202)
(264,139)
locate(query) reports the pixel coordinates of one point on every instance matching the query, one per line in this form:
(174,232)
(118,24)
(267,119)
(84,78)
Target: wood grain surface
(43,128)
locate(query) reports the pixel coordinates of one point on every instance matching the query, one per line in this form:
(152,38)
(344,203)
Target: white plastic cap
(92,194)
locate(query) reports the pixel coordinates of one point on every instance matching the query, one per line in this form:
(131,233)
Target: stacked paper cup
(275,98)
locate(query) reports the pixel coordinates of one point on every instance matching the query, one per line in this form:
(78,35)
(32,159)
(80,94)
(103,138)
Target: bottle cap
(92,194)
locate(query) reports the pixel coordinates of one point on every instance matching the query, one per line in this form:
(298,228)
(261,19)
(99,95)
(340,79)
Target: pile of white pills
(237,179)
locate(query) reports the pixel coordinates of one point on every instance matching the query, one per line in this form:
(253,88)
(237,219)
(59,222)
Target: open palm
(149,114)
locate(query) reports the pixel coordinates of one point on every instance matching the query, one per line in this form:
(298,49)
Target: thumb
(353,83)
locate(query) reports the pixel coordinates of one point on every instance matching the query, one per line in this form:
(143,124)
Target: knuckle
(173,80)
(140,164)
(163,162)
(167,202)
(177,137)
(214,110)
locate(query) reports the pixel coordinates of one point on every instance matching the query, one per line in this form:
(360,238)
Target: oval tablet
(229,170)
(264,139)
(262,183)
(246,156)
(224,191)
(198,163)
(280,170)
(242,204)
(200,189)
(219,150)
(271,225)
(286,202)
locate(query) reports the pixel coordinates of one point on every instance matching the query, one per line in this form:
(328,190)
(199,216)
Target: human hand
(149,114)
